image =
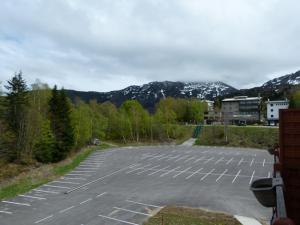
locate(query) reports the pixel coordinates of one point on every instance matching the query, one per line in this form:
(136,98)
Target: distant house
(241,110)
(273,110)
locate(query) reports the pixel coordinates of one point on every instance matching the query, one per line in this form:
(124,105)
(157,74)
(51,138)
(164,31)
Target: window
(271,105)
(272,110)
(272,116)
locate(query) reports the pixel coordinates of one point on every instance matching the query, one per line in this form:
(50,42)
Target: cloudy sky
(105,45)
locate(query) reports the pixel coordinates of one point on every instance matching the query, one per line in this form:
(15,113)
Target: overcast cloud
(103,45)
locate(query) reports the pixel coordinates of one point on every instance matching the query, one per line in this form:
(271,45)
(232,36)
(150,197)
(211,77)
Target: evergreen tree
(16,106)
(60,120)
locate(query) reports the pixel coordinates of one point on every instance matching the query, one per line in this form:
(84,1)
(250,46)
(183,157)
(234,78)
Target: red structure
(289,160)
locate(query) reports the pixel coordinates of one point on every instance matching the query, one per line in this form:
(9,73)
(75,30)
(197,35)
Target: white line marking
(209,160)
(252,177)
(174,157)
(221,175)
(83,171)
(16,203)
(219,160)
(189,159)
(51,192)
(67,209)
(176,175)
(33,197)
(64,182)
(188,177)
(236,176)
(78,174)
(183,157)
(127,210)
(54,186)
(240,161)
(6,212)
(199,159)
(48,217)
(252,162)
(170,171)
(100,178)
(140,203)
(207,174)
(145,170)
(122,221)
(73,178)
(136,169)
(98,196)
(229,161)
(264,162)
(85,201)
(157,171)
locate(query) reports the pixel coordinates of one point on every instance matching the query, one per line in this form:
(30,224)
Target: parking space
(127,185)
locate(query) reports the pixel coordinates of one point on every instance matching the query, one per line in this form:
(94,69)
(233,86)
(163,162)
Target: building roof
(278,101)
(240,98)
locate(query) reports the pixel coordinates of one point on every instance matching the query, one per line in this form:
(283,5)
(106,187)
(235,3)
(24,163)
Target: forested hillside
(41,124)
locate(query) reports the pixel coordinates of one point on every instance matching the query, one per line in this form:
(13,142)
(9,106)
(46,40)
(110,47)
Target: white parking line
(170,171)
(207,174)
(73,178)
(219,160)
(33,197)
(43,191)
(197,160)
(183,157)
(16,203)
(208,160)
(122,221)
(176,175)
(67,209)
(140,203)
(229,161)
(188,177)
(221,175)
(252,177)
(174,157)
(157,171)
(104,193)
(64,182)
(6,212)
(189,159)
(236,176)
(54,186)
(240,161)
(264,162)
(252,162)
(87,168)
(269,174)
(163,157)
(48,217)
(85,201)
(127,210)
(145,170)
(83,171)
(136,169)
(78,174)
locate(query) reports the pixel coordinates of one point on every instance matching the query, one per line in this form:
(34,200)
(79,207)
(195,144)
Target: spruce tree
(59,113)
(16,106)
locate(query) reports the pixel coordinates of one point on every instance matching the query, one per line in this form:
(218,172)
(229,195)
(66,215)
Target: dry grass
(189,216)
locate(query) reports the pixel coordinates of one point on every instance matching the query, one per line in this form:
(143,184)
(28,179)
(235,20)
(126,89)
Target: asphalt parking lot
(127,185)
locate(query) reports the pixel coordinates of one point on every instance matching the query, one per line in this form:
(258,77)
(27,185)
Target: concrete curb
(247,220)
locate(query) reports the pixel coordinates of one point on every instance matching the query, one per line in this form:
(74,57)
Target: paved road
(127,185)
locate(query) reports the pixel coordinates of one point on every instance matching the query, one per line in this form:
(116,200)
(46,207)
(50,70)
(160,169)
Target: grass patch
(188,216)
(36,176)
(254,137)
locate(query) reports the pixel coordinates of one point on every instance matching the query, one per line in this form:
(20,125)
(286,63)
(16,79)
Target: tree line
(38,123)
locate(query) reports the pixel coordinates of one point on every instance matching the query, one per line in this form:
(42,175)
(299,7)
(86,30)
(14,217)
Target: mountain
(289,79)
(149,94)
(277,88)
